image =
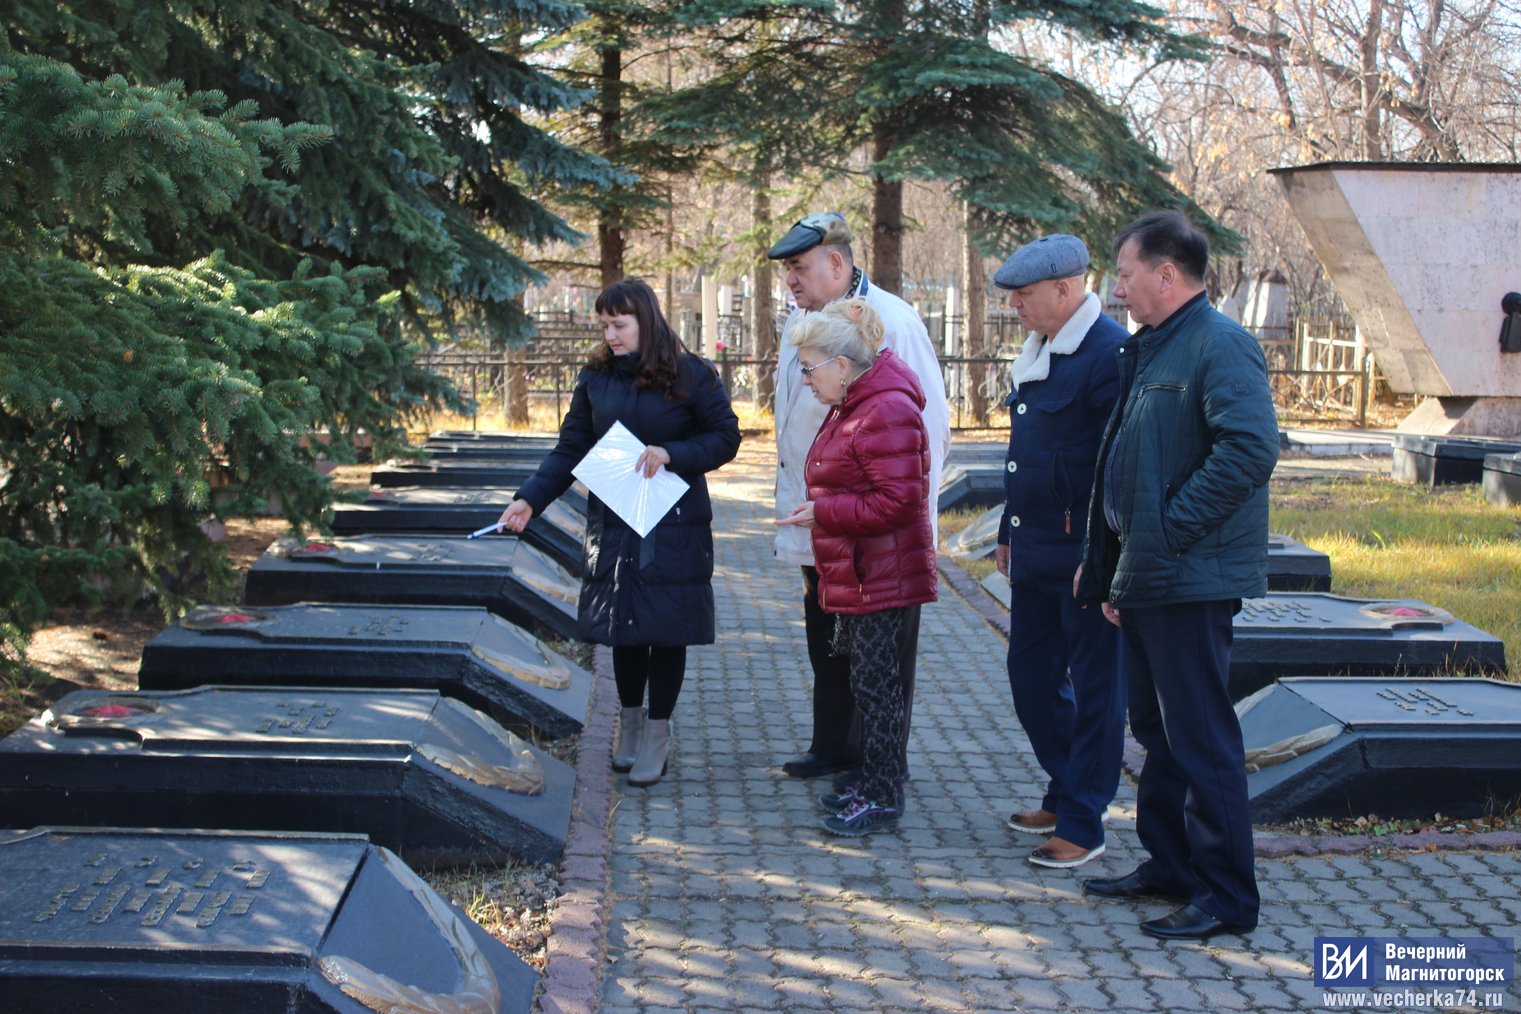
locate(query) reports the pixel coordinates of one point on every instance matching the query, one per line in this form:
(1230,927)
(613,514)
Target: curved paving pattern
(717,890)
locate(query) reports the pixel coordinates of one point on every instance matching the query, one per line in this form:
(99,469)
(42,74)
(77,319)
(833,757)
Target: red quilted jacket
(868,478)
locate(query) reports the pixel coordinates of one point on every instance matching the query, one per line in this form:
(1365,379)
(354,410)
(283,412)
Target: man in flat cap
(1063,659)
(821,269)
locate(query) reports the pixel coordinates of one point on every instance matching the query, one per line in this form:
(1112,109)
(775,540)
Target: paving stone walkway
(717,890)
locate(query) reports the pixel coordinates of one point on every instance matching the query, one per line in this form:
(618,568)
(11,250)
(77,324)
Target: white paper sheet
(608,471)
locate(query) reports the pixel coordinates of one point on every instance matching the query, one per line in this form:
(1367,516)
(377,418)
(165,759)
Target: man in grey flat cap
(1063,659)
(820,269)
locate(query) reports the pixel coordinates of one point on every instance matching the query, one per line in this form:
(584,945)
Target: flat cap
(827,227)
(1055,256)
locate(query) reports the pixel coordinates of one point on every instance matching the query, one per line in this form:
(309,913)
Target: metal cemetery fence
(1319,369)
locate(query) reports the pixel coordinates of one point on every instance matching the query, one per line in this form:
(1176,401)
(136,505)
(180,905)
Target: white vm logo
(1340,963)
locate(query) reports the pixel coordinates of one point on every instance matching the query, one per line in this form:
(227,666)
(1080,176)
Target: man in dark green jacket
(1177,537)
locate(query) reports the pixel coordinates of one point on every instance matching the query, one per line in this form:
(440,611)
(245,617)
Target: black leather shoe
(1190,923)
(812,765)
(1129,887)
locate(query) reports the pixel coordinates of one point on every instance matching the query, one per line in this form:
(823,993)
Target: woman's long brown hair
(659,349)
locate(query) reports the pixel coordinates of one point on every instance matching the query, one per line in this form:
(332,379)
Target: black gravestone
(423,775)
(971,487)
(559,531)
(1309,634)
(462,652)
(1293,566)
(1434,461)
(982,452)
(451,450)
(463,472)
(511,579)
(200,922)
(1502,479)
(1397,748)
(978,539)
(544,442)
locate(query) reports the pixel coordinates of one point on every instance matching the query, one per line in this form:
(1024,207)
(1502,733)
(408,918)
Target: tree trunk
(610,238)
(762,309)
(974,334)
(1371,81)
(886,220)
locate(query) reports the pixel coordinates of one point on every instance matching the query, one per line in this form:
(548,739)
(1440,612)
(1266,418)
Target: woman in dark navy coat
(648,598)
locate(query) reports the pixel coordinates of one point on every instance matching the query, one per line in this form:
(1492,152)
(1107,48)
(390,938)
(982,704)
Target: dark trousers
(1192,812)
(662,670)
(836,725)
(1064,671)
(875,645)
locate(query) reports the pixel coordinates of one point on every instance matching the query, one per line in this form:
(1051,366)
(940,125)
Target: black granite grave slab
(1502,479)
(471,472)
(971,487)
(426,776)
(1293,566)
(486,437)
(978,539)
(513,580)
(558,532)
(462,652)
(1339,747)
(201,922)
(457,450)
(1436,460)
(1311,634)
(978,452)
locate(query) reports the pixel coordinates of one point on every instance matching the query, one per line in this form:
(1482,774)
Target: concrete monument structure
(1423,254)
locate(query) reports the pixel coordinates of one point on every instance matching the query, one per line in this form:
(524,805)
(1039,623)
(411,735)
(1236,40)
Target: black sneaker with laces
(863,817)
(834,802)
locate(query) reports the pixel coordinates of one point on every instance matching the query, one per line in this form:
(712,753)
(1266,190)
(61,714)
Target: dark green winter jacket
(1186,457)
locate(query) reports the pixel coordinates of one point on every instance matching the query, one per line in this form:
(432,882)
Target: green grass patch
(1447,547)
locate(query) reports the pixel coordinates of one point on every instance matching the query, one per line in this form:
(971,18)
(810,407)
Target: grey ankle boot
(630,732)
(650,765)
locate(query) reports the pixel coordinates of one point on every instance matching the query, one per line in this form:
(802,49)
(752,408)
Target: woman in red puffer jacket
(867,507)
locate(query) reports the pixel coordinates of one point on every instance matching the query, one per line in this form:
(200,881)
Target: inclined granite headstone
(462,652)
(470,472)
(559,531)
(544,442)
(201,922)
(513,580)
(982,452)
(971,486)
(1398,748)
(978,539)
(1309,634)
(1502,479)
(449,450)
(1293,566)
(429,778)
(1436,461)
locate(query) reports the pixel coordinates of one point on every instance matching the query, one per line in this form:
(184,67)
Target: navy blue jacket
(1194,439)
(656,590)
(1054,429)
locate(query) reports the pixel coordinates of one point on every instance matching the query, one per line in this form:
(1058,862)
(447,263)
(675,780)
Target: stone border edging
(1268,845)
(578,929)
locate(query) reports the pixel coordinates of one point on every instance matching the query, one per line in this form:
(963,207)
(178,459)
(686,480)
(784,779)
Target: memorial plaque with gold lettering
(423,775)
(461,652)
(513,580)
(558,532)
(1338,747)
(1310,634)
(201,922)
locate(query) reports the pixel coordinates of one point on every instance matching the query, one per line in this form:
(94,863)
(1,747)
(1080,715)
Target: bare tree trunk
(974,342)
(1371,143)
(886,220)
(610,238)
(762,309)
(515,395)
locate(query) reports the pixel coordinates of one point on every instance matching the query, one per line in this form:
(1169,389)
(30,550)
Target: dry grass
(1447,547)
